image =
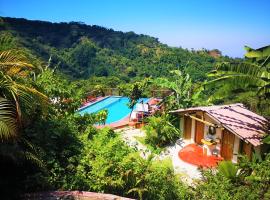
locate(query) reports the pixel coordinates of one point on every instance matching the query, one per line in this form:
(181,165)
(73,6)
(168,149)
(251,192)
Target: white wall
(192,130)
(206,127)
(218,136)
(235,148)
(181,118)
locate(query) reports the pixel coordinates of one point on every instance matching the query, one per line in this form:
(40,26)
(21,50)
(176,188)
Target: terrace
(194,154)
(188,171)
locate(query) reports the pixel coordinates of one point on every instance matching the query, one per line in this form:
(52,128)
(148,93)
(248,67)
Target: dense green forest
(80,51)
(45,145)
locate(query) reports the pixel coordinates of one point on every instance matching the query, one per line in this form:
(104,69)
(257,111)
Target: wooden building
(225,131)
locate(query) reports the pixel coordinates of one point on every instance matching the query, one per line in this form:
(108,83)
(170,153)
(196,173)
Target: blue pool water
(116,106)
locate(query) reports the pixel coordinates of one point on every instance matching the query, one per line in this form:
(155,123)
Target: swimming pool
(116,106)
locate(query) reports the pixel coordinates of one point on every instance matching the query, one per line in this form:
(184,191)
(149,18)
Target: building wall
(193,130)
(181,118)
(218,131)
(236,146)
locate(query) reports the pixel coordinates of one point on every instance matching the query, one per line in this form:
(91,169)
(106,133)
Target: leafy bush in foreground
(160,131)
(108,165)
(252,181)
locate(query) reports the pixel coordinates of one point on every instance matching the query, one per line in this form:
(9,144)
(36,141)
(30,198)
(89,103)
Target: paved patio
(188,172)
(193,154)
(129,135)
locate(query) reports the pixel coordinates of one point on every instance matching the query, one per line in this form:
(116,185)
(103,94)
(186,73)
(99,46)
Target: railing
(117,92)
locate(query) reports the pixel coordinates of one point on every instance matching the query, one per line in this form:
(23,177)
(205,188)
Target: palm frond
(8,120)
(228,169)
(266,62)
(265,90)
(29,151)
(257,53)
(19,93)
(29,95)
(21,151)
(250,69)
(33,159)
(242,75)
(13,62)
(237,80)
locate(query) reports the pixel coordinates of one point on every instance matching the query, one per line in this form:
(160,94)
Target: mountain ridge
(81,50)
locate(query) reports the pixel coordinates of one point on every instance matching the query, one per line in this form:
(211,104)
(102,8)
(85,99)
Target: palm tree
(13,62)
(16,97)
(13,94)
(253,73)
(8,120)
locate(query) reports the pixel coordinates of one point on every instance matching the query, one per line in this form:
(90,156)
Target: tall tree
(134,96)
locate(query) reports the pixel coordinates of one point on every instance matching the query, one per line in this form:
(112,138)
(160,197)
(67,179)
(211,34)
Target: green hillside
(81,50)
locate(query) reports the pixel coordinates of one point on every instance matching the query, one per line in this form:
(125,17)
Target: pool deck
(93,102)
(116,125)
(119,124)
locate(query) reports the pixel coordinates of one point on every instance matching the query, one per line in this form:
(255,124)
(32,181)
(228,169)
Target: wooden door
(199,131)
(187,127)
(227,143)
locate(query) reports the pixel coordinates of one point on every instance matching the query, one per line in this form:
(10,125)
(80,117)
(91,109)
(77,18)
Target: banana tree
(181,86)
(261,55)
(254,73)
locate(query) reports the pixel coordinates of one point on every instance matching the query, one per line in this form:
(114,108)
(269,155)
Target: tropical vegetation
(246,180)
(46,145)
(160,131)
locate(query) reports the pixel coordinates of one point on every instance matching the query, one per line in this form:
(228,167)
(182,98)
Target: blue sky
(224,24)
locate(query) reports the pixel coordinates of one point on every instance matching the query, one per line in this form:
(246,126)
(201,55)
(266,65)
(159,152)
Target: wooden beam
(203,121)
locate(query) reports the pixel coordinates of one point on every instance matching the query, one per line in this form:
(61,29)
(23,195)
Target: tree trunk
(131,112)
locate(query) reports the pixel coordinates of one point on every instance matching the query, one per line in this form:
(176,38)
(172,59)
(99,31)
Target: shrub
(251,183)
(108,165)
(160,131)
